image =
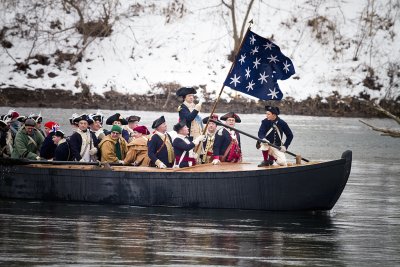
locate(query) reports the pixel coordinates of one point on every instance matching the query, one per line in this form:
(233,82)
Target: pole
(256,138)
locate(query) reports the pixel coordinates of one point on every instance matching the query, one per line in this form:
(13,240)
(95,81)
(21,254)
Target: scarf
(118,152)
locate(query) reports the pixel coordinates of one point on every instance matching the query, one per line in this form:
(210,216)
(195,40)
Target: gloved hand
(93,151)
(198,139)
(81,160)
(216,161)
(121,162)
(38,158)
(160,164)
(283,149)
(198,106)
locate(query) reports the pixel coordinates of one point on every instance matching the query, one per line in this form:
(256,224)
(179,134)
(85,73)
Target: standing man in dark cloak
(160,150)
(189,111)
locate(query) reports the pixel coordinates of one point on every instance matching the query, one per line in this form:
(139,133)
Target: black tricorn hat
(83,117)
(185,91)
(158,122)
(96,117)
(213,117)
(59,133)
(231,115)
(274,110)
(179,125)
(116,117)
(133,118)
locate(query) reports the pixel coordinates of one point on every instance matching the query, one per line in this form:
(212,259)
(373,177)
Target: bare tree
(385,131)
(237,35)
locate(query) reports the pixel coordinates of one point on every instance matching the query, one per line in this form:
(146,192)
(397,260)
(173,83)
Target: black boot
(265,163)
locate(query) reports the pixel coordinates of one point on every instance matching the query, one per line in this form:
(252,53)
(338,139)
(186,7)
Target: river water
(363,228)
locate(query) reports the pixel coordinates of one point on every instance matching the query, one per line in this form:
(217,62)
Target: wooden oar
(10,161)
(256,138)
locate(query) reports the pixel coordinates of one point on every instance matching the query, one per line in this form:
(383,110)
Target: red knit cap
(141,129)
(50,124)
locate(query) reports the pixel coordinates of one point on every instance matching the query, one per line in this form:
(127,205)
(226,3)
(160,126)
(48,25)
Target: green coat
(24,148)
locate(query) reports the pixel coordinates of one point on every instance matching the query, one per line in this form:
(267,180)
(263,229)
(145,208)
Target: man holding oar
(272,129)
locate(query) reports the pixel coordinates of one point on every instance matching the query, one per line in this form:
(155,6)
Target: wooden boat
(310,186)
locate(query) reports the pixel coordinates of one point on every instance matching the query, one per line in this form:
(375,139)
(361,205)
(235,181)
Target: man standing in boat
(272,129)
(27,142)
(183,146)
(113,147)
(117,119)
(133,121)
(189,111)
(207,154)
(227,147)
(83,142)
(160,148)
(96,125)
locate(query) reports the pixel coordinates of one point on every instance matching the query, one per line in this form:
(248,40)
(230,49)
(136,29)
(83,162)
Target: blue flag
(259,64)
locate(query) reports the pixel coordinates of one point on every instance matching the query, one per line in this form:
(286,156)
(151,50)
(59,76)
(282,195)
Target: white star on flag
(272,59)
(273,94)
(252,39)
(250,86)
(242,57)
(263,77)
(286,66)
(247,73)
(256,63)
(235,80)
(268,46)
(255,50)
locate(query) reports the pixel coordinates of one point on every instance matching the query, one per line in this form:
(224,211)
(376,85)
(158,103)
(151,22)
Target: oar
(256,138)
(10,161)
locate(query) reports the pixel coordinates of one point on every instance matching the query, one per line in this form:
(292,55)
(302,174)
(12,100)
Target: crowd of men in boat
(130,143)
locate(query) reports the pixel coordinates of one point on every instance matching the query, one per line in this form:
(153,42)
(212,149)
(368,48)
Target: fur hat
(273,110)
(141,129)
(30,122)
(116,117)
(179,125)
(158,122)
(133,118)
(185,91)
(231,115)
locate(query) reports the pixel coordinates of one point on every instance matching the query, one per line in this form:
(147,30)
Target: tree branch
(387,113)
(385,131)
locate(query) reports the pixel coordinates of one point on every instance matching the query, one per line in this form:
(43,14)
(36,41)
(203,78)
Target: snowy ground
(156,42)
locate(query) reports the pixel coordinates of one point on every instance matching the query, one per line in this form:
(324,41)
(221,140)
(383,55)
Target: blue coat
(63,152)
(181,146)
(273,136)
(154,145)
(185,114)
(222,141)
(48,147)
(75,142)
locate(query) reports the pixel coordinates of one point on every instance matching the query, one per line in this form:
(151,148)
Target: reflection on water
(363,228)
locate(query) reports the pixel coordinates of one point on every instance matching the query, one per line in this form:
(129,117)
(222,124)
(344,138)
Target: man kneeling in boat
(137,149)
(113,147)
(272,128)
(227,146)
(160,149)
(183,147)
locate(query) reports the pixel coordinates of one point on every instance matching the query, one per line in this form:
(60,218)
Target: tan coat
(137,152)
(107,149)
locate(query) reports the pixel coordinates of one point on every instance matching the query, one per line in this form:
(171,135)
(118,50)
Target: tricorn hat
(231,115)
(83,117)
(158,122)
(141,129)
(179,125)
(36,118)
(116,117)
(96,117)
(59,133)
(133,118)
(213,117)
(185,91)
(274,110)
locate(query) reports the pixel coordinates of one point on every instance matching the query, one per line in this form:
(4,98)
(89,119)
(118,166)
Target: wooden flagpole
(223,85)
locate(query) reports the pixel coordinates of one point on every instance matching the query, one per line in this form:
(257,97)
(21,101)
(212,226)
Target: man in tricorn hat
(183,147)
(133,121)
(272,129)
(160,150)
(117,119)
(189,111)
(96,125)
(63,151)
(83,142)
(227,147)
(207,154)
(27,142)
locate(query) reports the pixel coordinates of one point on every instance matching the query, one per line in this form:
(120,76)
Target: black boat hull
(306,187)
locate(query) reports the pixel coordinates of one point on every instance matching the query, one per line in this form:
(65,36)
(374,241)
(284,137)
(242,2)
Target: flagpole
(223,85)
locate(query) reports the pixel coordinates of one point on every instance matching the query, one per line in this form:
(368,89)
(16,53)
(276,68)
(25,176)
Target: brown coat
(107,149)
(137,152)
